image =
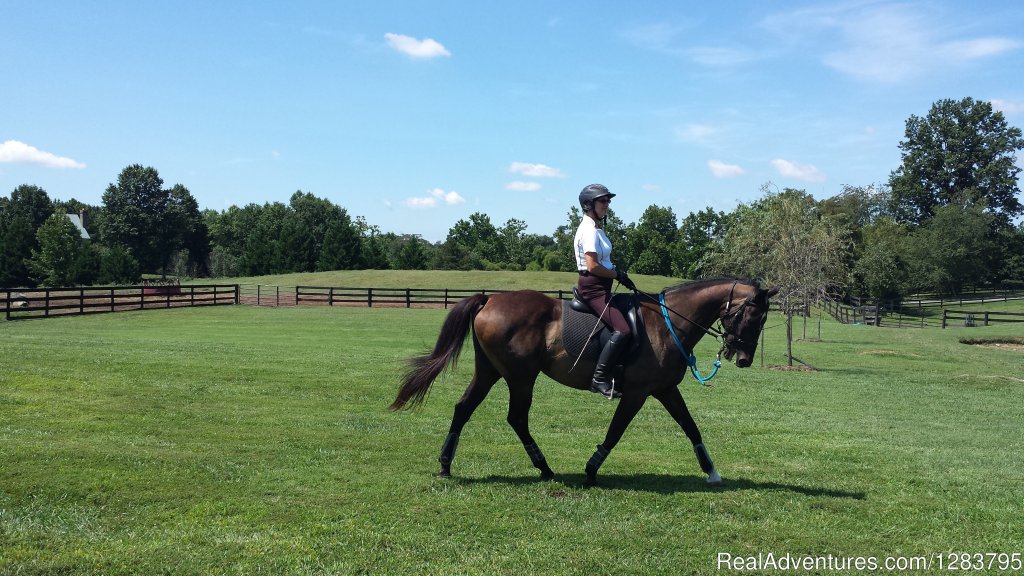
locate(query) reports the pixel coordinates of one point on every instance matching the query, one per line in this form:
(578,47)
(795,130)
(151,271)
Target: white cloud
(890,43)
(535,170)
(653,188)
(426,48)
(696,133)
(723,170)
(805,172)
(1008,107)
(15,152)
(520,186)
(437,196)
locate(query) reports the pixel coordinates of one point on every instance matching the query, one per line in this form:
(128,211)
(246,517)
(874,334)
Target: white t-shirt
(590,238)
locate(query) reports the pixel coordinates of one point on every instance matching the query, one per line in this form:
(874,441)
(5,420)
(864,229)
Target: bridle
(727,336)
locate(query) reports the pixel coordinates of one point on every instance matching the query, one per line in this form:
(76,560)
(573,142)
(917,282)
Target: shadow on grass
(667,484)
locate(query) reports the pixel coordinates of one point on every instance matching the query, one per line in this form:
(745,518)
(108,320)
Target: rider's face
(601,206)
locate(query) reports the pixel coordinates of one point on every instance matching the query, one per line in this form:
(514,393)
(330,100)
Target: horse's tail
(425,369)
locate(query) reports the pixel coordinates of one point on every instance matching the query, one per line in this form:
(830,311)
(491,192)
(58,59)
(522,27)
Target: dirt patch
(889,353)
(1001,346)
(794,368)
(1012,343)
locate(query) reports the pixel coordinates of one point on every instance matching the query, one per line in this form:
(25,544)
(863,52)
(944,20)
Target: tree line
(946,220)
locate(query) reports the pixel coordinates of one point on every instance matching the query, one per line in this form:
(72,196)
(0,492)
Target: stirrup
(610,394)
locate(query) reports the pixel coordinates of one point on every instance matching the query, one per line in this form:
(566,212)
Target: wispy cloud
(805,172)
(436,197)
(535,170)
(15,152)
(520,186)
(671,39)
(697,133)
(426,48)
(723,170)
(890,43)
(1008,107)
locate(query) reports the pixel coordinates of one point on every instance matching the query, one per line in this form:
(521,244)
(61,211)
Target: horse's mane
(705,282)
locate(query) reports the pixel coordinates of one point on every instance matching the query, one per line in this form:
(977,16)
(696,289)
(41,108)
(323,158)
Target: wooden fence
(396,297)
(978,317)
(49,302)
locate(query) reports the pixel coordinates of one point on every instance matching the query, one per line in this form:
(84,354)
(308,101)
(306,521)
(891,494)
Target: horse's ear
(772,291)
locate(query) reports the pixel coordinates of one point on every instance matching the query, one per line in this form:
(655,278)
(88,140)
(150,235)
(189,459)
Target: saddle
(578,322)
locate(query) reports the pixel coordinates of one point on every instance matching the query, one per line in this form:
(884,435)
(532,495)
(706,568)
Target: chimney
(81,216)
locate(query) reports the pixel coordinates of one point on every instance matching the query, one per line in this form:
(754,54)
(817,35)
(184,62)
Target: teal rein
(691,360)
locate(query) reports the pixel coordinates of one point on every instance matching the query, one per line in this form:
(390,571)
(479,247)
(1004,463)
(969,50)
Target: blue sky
(417,114)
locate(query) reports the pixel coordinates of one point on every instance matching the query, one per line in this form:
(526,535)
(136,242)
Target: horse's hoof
(547,475)
(714,479)
(590,481)
(443,475)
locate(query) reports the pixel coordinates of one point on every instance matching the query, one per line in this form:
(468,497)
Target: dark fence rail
(395,297)
(919,301)
(978,317)
(49,302)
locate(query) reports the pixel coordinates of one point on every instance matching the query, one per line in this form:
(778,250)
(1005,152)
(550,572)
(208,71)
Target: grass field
(455,279)
(242,440)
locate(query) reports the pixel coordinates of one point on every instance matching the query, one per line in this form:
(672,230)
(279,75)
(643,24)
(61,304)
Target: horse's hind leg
(519,402)
(624,414)
(676,406)
(484,377)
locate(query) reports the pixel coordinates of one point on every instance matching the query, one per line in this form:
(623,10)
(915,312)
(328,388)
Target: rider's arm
(595,267)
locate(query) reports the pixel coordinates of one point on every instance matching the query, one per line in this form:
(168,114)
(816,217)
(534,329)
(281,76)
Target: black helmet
(591,193)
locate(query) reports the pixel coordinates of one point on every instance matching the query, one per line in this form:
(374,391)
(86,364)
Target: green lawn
(454,279)
(244,440)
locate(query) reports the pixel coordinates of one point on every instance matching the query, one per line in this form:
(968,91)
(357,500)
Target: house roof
(77,221)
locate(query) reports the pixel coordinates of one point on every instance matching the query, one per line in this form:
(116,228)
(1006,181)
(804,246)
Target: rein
(691,360)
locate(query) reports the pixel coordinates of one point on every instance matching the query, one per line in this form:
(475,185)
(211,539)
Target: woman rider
(593,261)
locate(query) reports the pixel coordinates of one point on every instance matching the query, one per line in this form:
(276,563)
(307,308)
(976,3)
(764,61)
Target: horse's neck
(703,308)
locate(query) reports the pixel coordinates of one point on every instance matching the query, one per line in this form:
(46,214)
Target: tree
(697,234)
(185,227)
(960,147)
(881,272)
(648,243)
(342,245)
(412,255)
(952,250)
(20,217)
(145,218)
(53,264)
(783,239)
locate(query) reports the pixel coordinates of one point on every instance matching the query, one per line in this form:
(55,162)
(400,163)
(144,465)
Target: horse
(518,335)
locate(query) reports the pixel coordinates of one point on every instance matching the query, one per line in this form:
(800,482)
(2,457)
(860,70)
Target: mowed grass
(453,279)
(251,440)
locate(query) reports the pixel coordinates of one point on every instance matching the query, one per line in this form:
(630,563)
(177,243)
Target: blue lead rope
(691,360)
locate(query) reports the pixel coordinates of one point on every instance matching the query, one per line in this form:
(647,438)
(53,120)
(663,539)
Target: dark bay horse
(518,335)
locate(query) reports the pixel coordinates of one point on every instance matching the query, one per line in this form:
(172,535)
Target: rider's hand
(624,279)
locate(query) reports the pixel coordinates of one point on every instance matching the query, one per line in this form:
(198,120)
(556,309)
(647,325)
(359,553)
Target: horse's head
(743,317)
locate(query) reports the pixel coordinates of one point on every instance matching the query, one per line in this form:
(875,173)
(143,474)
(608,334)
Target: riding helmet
(591,193)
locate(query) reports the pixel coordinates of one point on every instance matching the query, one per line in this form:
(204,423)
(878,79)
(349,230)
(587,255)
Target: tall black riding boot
(602,383)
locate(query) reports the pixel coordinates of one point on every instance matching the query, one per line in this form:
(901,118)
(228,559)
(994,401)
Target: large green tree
(147,219)
(697,234)
(963,149)
(54,263)
(21,215)
(650,242)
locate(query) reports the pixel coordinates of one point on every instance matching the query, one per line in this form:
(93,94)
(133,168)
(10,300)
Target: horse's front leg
(673,401)
(629,405)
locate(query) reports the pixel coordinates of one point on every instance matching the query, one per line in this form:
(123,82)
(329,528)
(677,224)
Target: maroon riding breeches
(596,292)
